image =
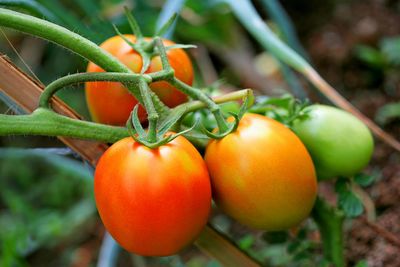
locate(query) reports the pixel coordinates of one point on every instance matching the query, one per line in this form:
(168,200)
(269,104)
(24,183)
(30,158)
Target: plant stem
(236,95)
(43,121)
(197,94)
(152,115)
(58,84)
(72,41)
(330,224)
(46,122)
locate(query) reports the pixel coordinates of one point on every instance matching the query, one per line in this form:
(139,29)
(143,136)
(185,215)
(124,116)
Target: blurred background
(47,210)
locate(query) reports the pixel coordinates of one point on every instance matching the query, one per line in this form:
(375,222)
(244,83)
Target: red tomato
(262,175)
(111,103)
(153,202)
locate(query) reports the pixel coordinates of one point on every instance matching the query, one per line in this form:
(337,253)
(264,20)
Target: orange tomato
(262,175)
(111,103)
(153,202)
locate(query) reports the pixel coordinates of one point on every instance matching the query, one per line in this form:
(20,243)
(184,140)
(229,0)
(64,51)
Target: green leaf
(388,113)
(348,201)
(370,56)
(276,237)
(246,242)
(390,47)
(362,263)
(294,246)
(364,179)
(284,101)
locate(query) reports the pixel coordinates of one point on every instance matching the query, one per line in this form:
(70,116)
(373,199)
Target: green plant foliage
(390,47)
(365,180)
(388,113)
(348,201)
(45,201)
(284,109)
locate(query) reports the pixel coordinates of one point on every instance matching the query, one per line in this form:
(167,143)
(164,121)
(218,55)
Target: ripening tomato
(156,201)
(339,143)
(262,174)
(111,103)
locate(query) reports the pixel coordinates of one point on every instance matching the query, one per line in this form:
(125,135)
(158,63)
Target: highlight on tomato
(111,103)
(339,143)
(153,202)
(262,174)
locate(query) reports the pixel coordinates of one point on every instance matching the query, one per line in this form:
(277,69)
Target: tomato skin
(339,143)
(111,103)
(262,175)
(153,202)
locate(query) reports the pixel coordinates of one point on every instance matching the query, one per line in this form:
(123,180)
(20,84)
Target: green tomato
(339,143)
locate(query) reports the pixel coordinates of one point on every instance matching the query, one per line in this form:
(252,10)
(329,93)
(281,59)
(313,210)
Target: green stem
(198,94)
(234,96)
(152,115)
(71,41)
(58,84)
(330,224)
(46,122)
(194,93)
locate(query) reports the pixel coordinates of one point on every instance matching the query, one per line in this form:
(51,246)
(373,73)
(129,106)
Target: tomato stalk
(223,127)
(62,82)
(330,224)
(197,94)
(44,121)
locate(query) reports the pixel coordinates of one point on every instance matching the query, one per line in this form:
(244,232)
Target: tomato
(339,143)
(153,202)
(111,103)
(262,175)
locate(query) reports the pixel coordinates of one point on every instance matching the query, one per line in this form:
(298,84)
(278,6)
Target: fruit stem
(199,95)
(152,114)
(46,122)
(330,224)
(52,88)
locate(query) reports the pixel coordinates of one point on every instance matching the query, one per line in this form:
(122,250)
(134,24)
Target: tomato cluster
(156,201)
(111,103)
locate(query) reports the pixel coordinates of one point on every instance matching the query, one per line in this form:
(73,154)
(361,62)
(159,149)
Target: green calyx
(230,127)
(162,133)
(148,49)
